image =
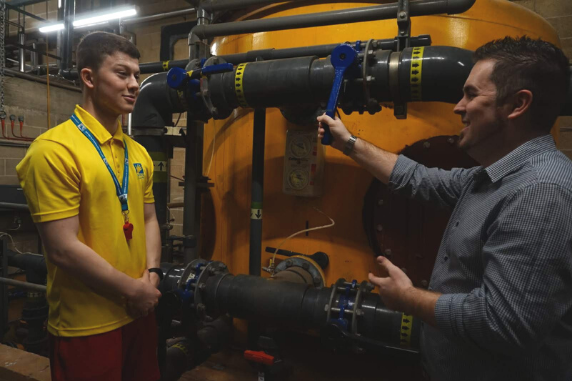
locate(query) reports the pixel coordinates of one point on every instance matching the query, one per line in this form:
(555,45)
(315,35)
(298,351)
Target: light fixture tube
(113,15)
(51,28)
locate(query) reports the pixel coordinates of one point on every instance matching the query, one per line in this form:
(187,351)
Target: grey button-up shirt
(504,266)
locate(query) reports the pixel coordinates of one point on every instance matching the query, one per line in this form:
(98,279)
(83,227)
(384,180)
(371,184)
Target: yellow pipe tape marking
(416,73)
(406,324)
(165,65)
(182,348)
(238,86)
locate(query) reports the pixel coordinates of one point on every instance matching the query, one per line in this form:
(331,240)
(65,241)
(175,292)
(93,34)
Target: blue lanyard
(120,190)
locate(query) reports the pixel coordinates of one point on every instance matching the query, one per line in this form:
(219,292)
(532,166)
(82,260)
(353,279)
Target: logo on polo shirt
(139,170)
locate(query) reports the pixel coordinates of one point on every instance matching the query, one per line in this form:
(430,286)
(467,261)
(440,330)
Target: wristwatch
(157,271)
(349,146)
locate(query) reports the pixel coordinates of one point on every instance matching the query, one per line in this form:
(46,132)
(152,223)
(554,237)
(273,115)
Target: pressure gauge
(300,146)
(298,179)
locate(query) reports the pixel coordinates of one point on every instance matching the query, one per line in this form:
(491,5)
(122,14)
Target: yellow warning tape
(183,348)
(416,73)
(165,65)
(406,324)
(238,86)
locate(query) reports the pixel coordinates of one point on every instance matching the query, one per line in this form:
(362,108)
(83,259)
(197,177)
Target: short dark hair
(535,65)
(94,47)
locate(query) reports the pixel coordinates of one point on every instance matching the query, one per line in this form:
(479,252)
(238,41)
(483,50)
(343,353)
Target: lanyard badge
(122,189)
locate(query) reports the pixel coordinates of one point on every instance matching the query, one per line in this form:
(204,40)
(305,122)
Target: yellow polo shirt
(63,176)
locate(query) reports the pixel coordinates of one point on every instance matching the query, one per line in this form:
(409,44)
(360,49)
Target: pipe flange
(191,273)
(394,59)
(205,95)
(308,265)
(209,270)
(329,306)
(364,287)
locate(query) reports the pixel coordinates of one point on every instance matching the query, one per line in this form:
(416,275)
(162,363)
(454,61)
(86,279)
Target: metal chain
(2,51)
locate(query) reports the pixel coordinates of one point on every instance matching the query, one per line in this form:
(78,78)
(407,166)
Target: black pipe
(67,34)
(308,81)
(144,68)
(193,350)
(227,5)
(256,199)
(266,54)
(345,16)
(257,191)
(33,264)
(299,305)
(170,34)
(160,152)
(192,196)
(156,103)
(11,205)
(317,50)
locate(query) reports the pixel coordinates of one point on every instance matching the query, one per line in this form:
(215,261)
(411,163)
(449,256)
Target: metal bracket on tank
(403,41)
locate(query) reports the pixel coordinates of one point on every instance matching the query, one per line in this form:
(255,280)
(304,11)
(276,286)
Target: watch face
(298,179)
(301,147)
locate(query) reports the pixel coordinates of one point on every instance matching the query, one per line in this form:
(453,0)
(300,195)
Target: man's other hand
(394,287)
(339,132)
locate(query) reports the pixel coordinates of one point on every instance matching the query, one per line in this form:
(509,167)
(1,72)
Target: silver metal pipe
(22,52)
(34,56)
(226,5)
(11,205)
(39,79)
(26,285)
(129,127)
(344,16)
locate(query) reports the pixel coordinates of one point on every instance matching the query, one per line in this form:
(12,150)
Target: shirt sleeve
(434,185)
(527,283)
(149,197)
(51,181)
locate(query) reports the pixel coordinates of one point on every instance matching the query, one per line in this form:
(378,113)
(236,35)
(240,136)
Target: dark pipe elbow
(156,103)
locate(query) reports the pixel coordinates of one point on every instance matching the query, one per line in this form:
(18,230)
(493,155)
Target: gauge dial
(298,179)
(301,147)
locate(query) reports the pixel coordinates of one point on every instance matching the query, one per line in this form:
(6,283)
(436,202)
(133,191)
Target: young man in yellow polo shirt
(89,188)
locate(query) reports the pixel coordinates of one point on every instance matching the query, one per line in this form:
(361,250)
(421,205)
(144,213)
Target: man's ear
(520,104)
(87,77)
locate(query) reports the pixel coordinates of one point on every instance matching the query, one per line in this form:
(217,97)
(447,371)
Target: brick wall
(28,99)
(559,14)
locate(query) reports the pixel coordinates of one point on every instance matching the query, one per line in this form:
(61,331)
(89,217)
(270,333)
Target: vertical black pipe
(67,34)
(4,288)
(159,150)
(257,191)
(256,199)
(193,174)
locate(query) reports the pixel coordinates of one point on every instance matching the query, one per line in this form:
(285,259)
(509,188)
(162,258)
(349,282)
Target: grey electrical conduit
(344,16)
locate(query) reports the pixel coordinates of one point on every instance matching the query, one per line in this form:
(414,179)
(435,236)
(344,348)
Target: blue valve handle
(343,56)
(177,77)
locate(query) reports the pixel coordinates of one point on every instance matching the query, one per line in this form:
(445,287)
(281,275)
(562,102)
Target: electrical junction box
(303,164)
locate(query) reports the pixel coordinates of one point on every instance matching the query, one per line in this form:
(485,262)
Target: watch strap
(349,146)
(157,271)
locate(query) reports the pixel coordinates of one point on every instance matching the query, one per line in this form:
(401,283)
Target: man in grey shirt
(499,304)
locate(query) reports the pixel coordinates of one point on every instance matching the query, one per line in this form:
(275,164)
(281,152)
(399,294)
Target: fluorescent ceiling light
(117,13)
(51,28)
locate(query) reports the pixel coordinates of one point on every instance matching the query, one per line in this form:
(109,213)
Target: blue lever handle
(343,56)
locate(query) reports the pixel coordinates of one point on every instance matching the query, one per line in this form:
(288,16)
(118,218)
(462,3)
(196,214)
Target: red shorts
(125,354)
